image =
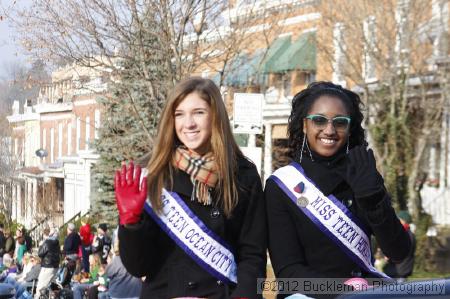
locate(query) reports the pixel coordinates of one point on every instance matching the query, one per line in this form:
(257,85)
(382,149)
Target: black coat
(2,243)
(50,253)
(147,251)
(72,243)
(298,249)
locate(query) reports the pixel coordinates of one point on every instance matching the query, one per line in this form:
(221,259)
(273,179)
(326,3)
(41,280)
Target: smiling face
(326,141)
(193,117)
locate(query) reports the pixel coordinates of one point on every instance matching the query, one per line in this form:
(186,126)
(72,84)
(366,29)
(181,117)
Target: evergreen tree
(130,116)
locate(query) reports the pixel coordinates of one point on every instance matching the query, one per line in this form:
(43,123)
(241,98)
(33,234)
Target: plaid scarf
(203,172)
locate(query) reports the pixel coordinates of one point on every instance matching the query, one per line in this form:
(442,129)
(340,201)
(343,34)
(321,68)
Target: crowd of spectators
(86,265)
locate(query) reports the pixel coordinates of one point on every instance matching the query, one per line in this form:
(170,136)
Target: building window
(401,46)
(369,28)
(60,139)
(22,151)
(205,74)
(44,138)
(52,144)
(96,122)
(309,78)
(69,139)
(78,134)
(287,84)
(16,147)
(88,132)
(339,54)
(440,21)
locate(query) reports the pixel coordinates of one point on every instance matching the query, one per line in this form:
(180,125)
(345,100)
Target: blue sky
(9,51)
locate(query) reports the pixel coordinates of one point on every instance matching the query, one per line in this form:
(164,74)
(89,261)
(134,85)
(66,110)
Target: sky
(9,51)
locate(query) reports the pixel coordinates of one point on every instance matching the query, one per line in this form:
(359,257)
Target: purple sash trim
(322,228)
(336,201)
(185,248)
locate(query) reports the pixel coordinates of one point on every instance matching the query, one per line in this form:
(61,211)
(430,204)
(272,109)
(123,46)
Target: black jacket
(10,245)
(298,249)
(50,253)
(2,243)
(101,245)
(148,251)
(72,243)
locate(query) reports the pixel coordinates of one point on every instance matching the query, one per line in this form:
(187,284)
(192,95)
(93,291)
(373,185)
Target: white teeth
(191,134)
(327,141)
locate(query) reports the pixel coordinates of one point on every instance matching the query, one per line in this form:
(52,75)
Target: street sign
(247,113)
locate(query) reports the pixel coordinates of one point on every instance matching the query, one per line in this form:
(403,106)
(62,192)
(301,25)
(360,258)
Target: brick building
(51,140)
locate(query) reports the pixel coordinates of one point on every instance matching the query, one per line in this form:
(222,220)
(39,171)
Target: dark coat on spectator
(50,253)
(72,243)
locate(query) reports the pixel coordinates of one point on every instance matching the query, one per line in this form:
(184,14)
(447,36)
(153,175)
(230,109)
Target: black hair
(302,103)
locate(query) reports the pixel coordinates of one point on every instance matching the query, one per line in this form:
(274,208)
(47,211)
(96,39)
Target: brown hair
(223,145)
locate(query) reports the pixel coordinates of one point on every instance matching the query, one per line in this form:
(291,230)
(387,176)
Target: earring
(348,143)
(310,154)
(303,146)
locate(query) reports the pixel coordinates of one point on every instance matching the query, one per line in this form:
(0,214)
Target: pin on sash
(302,201)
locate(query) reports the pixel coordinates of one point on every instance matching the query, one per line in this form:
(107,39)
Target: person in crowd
(2,242)
(323,207)
(401,271)
(72,242)
(10,244)
(86,242)
(26,265)
(28,240)
(50,254)
(121,284)
(101,243)
(29,279)
(79,288)
(205,218)
(8,268)
(20,247)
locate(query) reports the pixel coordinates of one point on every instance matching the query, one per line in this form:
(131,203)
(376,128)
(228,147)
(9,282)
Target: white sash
(194,237)
(328,214)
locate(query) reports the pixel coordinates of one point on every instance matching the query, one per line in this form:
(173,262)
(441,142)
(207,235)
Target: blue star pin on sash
(302,201)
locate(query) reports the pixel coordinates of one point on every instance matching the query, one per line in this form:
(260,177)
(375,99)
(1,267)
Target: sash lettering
(194,237)
(329,215)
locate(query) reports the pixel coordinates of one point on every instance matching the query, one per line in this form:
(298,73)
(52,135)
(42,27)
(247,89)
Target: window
(440,18)
(369,28)
(60,139)
(96,122)
(52,144)
(78,134)
(401,46)
(339,56)
(88,132)
(69,139)
(44,138)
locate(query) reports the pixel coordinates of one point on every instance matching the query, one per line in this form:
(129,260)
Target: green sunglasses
(340,123)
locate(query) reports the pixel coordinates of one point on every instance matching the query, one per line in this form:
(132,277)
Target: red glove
(130,200)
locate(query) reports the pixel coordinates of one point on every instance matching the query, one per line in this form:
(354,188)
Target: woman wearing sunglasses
(200,230)
(324,207)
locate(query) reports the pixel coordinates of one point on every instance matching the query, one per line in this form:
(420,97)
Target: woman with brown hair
(203,231)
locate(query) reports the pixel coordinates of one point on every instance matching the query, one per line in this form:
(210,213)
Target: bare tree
(386,49)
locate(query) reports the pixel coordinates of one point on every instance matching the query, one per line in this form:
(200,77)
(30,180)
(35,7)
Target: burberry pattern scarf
(203,172)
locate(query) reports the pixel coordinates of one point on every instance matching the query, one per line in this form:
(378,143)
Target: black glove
(362,174)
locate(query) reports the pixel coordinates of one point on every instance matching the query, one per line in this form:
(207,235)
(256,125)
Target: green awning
(276,49)
(235,74)
(243,70)
(301,55)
